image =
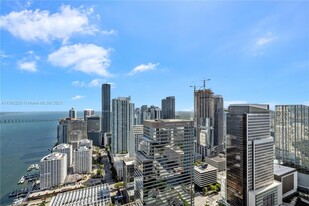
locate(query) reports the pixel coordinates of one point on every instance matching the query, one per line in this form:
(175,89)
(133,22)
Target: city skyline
(262,58)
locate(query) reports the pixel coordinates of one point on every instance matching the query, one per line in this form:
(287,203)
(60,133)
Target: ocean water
(22,144)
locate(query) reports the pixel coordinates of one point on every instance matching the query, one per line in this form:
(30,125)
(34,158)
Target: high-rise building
(73,113)
(209,121)
(136,134)
(85,142)
(67,149)
(123,119)
(82,159)
(143,109)
(250,169)
(71,130)
(94,123)
(88,113)
(164,163)
(137,116)
(53,170)
(106,108)
(168,108)
(292,135)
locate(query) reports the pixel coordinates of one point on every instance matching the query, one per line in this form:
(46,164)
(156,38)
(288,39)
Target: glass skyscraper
(292,135)
(106,108)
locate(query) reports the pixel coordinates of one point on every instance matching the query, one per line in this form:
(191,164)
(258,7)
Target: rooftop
(53,156)
(200,169)
(280,170)
(83,148)
(63,146)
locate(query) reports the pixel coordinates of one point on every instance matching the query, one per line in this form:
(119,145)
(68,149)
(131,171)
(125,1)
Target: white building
(53,170)
(96,195)
(205,175)
(85,142)
(82,159)
(67,149)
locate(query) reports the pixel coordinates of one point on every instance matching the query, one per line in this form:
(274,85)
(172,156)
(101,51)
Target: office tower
(53,170)
(96,137)
(94,123)
(107,139)
(123,120)
(250,170)
(164,163)
(71,130)
(208,117)
(292,135)
(143,109)
(137,116)
(128,178)
(73,113)
(67,149)
(88,113)
(82,159)
(205,175)
(168,107)
(106,108)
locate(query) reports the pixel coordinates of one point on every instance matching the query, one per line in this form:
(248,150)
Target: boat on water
(22,180)
(17,201)
(33,166)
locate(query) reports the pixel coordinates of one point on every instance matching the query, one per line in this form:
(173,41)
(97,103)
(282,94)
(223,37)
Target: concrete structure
(269,195)
(67,149)
(82,159)
(205,175)
(249,154)
(143,109)
(106,108)
(94,123)
(96,195)
(71,131)
(85,142)
(73,113)
(118,160)
(208,118)
(292,135)
(168,108)
(137,116)
(123,120)
(164,163)
(53,170)
(136,134)
(303,183)
(128,174)
(217,162)
(288,177)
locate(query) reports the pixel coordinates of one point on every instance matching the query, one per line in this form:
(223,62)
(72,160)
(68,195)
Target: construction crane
(204,84)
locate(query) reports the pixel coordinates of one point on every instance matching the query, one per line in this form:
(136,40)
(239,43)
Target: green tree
(99,172)
(205,190)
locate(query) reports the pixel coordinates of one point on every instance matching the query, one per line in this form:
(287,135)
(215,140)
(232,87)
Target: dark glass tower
(168,108)
(106,108)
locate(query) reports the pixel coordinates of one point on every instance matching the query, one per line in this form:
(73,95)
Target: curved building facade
(53,170)
(83,159)
(67,149)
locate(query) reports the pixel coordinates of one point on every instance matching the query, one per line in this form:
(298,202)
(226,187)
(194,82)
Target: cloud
(78,83)
(143,68)
(87,58)
(3,54)
(40,25)
(77,97)
(264,40)
(28,66)
(96,82)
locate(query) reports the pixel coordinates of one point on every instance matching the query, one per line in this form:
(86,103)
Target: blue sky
(55,55)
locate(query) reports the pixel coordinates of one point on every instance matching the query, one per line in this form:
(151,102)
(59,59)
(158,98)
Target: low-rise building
(96,195)
(288,177)
(205,175)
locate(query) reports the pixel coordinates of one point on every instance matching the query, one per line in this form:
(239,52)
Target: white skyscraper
(53,170)
(67,149)
(83,159)
(122,121)
(85,142)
